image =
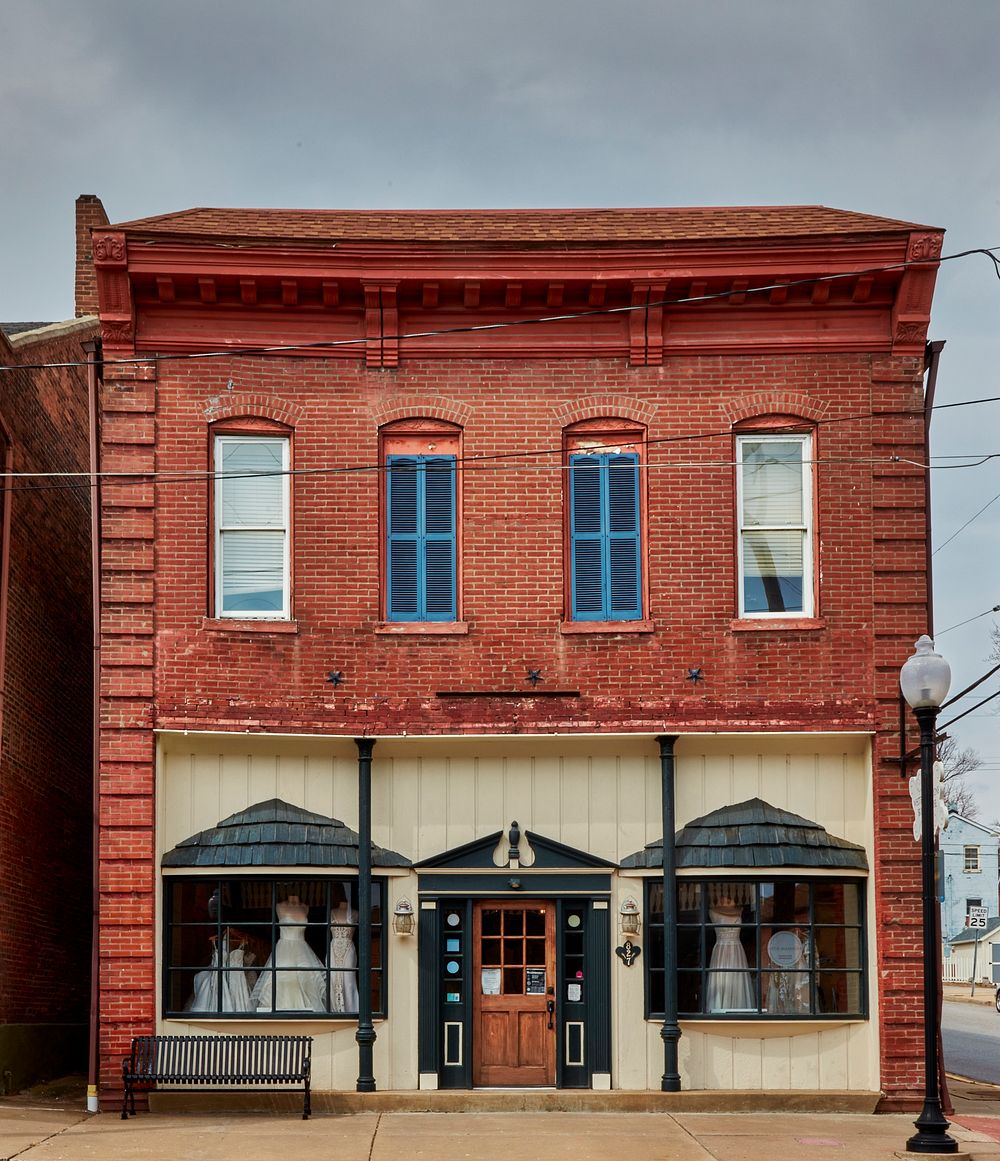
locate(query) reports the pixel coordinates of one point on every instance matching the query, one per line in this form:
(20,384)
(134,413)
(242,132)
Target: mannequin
(729,987)
(343,961)
(294,969)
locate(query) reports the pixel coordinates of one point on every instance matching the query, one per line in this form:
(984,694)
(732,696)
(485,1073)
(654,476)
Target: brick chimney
(89,214)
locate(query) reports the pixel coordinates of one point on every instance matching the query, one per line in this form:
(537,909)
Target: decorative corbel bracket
(645,324)
(115,293)
(911,311)
(381,324)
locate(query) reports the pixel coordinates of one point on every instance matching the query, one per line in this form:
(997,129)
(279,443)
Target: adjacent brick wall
(46,762)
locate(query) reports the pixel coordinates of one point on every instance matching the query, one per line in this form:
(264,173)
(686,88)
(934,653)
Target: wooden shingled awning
(754,834)
(276,834)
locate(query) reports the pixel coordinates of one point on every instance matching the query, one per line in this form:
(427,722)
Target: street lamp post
(924,680)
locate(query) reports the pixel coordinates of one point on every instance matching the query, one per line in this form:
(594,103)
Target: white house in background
(963,958)
(969,873)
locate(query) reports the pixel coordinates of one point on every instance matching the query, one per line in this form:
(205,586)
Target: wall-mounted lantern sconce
(629,916)
(402,918)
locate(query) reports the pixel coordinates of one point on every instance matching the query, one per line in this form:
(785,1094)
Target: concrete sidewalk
(38,1134)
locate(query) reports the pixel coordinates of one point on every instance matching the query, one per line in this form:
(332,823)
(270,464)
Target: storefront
(530,961)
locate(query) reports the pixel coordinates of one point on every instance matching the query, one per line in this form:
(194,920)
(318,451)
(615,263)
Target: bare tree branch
(958,765)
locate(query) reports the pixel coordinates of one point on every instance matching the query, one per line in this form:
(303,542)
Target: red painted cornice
(175,295)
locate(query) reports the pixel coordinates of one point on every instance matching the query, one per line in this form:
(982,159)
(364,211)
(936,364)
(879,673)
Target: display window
(258,947)
(749,949)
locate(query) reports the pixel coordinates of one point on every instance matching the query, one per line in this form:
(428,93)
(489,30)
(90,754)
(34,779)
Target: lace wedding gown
(344,962)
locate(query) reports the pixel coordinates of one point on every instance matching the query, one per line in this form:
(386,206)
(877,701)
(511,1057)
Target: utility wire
(978,705)
(473,463)
(969,688)
(975,516)
(474,328)
(941,632)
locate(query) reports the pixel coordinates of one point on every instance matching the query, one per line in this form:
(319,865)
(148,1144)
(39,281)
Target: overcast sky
(883,106)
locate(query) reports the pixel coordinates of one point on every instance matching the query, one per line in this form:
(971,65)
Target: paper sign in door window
(534,984)
(491,981)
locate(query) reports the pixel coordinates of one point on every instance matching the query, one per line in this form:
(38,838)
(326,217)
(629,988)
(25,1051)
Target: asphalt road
(971,1037)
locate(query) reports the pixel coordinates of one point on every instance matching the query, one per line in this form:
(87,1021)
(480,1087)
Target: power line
(975,516)
(941,632)
(474,328)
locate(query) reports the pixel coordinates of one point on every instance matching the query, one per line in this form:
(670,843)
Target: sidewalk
(59,1135)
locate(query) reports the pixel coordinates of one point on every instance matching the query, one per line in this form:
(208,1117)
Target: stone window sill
(777,624)
(570,628)
(247,625)
(422,628)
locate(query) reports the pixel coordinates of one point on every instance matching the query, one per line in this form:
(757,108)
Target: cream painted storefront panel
(599,794)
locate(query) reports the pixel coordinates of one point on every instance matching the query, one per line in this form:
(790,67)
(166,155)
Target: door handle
(550,1007)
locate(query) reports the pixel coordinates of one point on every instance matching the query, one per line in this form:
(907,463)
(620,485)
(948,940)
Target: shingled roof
(754,834)
(518,227)
(276,834)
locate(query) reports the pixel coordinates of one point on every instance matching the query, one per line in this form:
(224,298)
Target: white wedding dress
(235,987)
(293,968)
(729,987)
(344,962)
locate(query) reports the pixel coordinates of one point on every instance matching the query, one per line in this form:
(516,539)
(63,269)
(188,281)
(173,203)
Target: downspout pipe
(932,356)
(670,1032)
(93,351)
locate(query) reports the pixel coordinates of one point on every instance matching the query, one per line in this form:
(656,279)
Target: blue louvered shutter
(439,538)
(606,568)
(624,561)
(586,538)
(420,518)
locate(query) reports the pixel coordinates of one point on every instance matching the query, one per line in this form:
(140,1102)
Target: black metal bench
(217,1060)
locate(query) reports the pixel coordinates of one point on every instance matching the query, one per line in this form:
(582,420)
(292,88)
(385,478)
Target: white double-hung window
(774,501)
(252,527)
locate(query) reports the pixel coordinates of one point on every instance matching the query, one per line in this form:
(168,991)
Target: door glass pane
(512,951)
(513,922)
(534,923)
(513,981)
(491,923)
(491,952)
(534,951)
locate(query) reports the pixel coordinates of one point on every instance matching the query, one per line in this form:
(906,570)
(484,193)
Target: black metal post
(365,1035)
(932,1128)
(670,1032)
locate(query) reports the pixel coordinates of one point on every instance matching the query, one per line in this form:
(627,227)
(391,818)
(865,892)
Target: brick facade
(168,663)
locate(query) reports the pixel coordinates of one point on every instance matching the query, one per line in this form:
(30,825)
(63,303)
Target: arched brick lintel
(606,407)
(252,407)
(422,408)
(763,403)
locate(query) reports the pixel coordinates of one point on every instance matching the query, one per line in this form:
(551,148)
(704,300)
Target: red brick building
(46,699)
(603,521)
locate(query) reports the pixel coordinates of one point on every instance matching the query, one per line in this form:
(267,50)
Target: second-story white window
(774,504)
(971,860)
(252,527)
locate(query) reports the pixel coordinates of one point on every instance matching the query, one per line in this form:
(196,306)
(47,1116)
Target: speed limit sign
(977,917)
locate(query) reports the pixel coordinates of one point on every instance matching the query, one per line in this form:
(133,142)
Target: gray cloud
(888,107)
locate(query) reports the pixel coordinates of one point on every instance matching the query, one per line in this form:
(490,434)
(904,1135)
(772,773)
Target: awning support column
(365,1035)
(670,1032)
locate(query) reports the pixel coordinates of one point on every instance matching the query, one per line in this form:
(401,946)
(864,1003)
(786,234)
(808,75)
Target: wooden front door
(513,986)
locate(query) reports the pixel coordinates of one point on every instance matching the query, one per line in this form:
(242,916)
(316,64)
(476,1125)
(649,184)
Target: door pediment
(546,854)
